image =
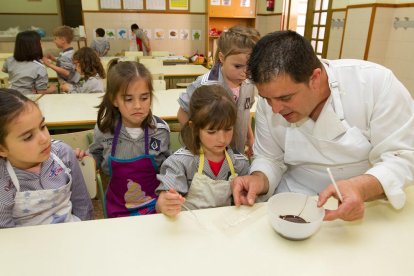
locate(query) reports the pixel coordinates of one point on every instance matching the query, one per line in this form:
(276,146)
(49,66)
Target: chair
(159,85)
(82,140)
(151,62)
(175,129)
(160,53)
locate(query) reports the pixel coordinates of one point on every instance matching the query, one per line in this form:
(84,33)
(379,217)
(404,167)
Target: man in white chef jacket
(352,116)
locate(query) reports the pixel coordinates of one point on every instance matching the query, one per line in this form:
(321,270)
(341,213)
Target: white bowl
(283,204)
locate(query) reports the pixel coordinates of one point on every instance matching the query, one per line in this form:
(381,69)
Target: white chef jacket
(375,102)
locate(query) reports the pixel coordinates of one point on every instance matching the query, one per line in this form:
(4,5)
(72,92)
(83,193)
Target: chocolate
(293,218)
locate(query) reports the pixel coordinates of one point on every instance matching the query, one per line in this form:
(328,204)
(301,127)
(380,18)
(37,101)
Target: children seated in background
(100,44)
(41,182)
(200,174)
(130,143)
(89,65)
(26,72)
(229,70)
(64,67)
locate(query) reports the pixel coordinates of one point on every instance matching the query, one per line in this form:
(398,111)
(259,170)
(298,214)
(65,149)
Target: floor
(97,207)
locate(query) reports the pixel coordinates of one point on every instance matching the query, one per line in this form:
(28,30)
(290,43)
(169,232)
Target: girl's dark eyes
(28,137)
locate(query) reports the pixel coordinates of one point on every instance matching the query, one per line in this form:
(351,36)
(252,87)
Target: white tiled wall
(356,32)
(335,37)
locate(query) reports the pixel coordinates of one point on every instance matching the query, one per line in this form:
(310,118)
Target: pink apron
(131,191)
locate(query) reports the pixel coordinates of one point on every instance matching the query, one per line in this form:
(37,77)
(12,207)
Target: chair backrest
(144,57)
(133,54)
(4,56)
(159,85)
(80,139)
(160,53)
(151,62)
(175,142)
(157,76)
(88,168)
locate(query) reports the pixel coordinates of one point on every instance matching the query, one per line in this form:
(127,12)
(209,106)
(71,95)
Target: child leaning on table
(89,65)
(130,143)
(233,50)
(41,182)
(200,174)
(26,72)
(65,69)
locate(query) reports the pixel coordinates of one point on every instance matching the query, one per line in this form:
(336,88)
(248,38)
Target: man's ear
(315,78)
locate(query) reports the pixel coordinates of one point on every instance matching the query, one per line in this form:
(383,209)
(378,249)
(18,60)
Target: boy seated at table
(64,67)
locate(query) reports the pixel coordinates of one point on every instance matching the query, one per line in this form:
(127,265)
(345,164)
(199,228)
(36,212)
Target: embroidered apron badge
(247,103)
(155,144)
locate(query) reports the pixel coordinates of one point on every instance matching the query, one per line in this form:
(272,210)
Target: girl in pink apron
(41,182)
(200,174)
(129,142)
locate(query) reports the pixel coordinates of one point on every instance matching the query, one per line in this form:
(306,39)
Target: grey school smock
(127,147)
(51,176)
(91,85)
(244,102)
(65,61)
(26,76)
(178,170)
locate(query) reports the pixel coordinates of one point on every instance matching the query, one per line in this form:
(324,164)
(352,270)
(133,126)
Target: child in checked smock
(200,174)
(88,65)
(41,182)
(27,74)
(130,143)
(233,50)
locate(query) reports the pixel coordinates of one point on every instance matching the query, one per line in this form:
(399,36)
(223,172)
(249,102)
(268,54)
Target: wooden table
(227,241)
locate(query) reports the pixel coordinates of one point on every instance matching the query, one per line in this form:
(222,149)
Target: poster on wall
(226,2)
(122,33)
(245,3)
(178,4)
(173,34)
(110,33)
(196,34)
(159,34)
(133,4)
(110,4)
(156,4)
(215,2)
(184,34)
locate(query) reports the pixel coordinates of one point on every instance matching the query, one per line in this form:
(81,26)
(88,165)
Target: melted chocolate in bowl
(293,218)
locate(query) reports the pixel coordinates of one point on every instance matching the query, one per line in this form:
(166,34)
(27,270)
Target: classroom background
(381,31)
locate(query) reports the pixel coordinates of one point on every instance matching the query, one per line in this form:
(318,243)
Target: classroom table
(173,60)
(221,241)
(76,111)
(69,111)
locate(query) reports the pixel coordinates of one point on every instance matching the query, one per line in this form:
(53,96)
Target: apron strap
(201,164)
(13,175)
(146,140)
(116,135)
(334,86)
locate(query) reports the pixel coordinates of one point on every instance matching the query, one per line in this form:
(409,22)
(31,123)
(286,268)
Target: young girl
(89,65)
(203,170)
(229,70)
(41,182)
(129,142)
(27,74)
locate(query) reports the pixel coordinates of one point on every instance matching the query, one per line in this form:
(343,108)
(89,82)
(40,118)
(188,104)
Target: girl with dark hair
(27,73)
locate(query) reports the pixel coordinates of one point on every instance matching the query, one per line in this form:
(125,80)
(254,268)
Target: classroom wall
(23,14)
(152,22)
(389,46)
